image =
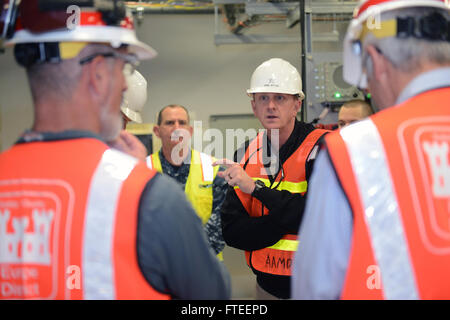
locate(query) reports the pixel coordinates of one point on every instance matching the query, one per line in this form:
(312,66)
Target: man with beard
(85,220)
(376,220)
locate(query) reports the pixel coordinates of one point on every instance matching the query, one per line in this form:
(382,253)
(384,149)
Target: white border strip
(207,168)
(382,212)
(149,162)
(98,243)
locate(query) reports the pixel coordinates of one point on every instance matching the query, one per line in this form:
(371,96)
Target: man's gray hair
(59,79)
(407,54)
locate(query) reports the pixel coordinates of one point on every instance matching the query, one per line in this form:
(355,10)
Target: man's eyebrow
(172,121)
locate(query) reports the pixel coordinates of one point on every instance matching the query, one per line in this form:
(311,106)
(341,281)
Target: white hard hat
(276,76)
(367,19)
(92,26)
(135,97)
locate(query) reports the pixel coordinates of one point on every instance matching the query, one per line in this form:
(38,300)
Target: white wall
(189,70)
(192,71)
(15,100)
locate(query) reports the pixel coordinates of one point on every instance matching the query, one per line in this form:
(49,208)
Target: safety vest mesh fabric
(394,168)
(199,184)
(70,233)
(277,258)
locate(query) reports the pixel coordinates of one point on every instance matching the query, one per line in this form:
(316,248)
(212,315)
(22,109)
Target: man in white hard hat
(376,219)
(268,179)
(87,221)
(134,98)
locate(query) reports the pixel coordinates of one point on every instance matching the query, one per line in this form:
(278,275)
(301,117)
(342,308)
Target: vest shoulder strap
(208,171)
(113,169)
(154,162)
(308,148)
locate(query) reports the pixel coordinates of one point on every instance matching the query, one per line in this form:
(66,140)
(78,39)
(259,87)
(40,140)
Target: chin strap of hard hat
(27,54)
(431,27)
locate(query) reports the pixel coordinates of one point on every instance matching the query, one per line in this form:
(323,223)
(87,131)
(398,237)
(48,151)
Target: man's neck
(282,134)
(53,116)
(175,160)
(403,79)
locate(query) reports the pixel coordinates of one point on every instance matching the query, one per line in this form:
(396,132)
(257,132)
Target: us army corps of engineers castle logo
(29,226)
(21,246)
(425,147)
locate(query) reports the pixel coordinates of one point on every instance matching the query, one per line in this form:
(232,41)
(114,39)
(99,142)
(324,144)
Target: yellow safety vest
(198,188)
(199,184)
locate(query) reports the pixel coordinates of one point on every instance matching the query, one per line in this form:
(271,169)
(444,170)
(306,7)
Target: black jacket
(285,214)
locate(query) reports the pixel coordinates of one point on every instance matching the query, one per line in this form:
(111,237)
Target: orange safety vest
(68,222)
(394,169)
(275,259)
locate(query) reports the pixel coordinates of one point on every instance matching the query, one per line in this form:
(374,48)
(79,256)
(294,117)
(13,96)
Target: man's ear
(253,105)
(376,64)
(156,131)
(98,75)
(298,106)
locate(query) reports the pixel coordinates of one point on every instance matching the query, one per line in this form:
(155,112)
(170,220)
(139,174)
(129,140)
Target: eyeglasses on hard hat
(131,61)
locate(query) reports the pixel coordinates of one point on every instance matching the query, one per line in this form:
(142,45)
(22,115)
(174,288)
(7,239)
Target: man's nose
(272,104)
(124,84)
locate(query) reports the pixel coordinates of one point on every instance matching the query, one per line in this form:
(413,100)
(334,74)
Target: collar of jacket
(33,136)
(179,173)
(300,132)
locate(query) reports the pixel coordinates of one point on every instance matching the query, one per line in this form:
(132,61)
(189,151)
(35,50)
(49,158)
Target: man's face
(379,97)
(349,115)
(275,110)
(381,79)
(174,127)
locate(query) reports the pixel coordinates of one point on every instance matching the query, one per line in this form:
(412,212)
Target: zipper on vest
(251,261)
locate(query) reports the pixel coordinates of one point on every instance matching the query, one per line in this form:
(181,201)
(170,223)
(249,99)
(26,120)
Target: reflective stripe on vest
(286,245)
(98,277)
(153,162)
(207,167)
(382,218)
(292,187)
(199,184)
